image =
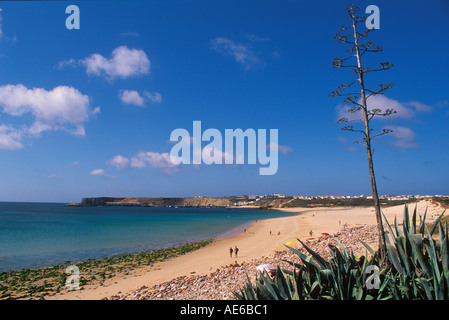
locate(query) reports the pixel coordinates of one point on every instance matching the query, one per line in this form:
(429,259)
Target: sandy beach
(261,238)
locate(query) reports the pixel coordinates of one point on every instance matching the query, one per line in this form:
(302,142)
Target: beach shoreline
(260,239)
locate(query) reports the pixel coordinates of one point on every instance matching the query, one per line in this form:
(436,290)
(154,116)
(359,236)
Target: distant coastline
(255,202)
(159,202)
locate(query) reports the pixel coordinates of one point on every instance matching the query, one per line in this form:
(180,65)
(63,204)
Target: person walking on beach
(230,252)
(236,250)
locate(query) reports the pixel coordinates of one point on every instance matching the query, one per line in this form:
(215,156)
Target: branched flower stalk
(358,99)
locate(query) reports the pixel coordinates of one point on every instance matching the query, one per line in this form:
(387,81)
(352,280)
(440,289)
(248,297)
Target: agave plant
(418,269)
(341,277)
(420,262)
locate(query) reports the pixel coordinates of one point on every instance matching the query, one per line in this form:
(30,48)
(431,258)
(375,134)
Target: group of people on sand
(235,251)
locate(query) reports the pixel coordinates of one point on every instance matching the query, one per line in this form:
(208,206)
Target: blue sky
(89,112)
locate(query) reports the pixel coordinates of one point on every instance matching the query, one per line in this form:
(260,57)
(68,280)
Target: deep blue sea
(43,234)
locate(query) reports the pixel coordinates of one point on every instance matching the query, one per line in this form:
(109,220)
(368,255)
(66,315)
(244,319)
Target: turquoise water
(43,234)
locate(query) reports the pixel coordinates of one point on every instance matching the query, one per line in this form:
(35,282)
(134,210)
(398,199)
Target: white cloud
(134,97)
(2,33)
(420,107)
(1,26)
(379,102)
(383,103)
(124,63)
(100,172)
(118,161)
(10,138)
(242,53)
(404,138)
(51,176)
(67,63)
(153,159)
(281,148)
(144,159)
(153,96)
(209,154)
(62,108)
(131,97)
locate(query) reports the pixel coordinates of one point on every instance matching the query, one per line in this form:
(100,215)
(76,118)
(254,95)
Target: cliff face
(102,201)
(160,202)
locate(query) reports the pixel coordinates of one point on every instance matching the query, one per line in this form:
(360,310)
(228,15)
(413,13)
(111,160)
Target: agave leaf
(406,220)
(327,273)
(441,232)
(288,272)
(418,239)
(396,227)
(281,282)
(439,291)
(384,271)
(266,292)
(418,256)
(394,291)
(267,287)
(418,246)
(392,254)
(240,296)
(446,277)
(383,287)
(435,223)
(342,247)
(423,223)
(444,252)
(295,295)
(293,264)
(394,258)
(320,260)
(425,284)
(307,260)
(413,225)
(341,261)
(389,229)
(358,294)
(247,292)
(297,286)
(404,290)
(315,289)
(434,261)
(401,245)
(367,247)
(283,285)
(352,282)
